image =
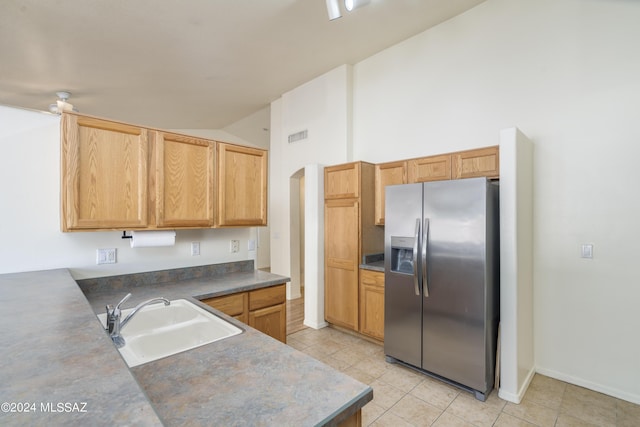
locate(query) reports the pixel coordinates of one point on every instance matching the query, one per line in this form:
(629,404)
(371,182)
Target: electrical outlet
(106,256)
(234,246)
(195,248)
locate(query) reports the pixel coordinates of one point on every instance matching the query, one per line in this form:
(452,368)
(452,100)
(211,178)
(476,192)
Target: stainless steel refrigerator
(442,280)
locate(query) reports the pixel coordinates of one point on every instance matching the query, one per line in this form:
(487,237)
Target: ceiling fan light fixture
(61,104)
(354,4)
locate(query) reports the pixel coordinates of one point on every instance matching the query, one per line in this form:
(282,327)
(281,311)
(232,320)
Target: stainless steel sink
(158,331)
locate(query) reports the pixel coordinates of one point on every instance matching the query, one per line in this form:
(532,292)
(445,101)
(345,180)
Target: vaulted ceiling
(189,63)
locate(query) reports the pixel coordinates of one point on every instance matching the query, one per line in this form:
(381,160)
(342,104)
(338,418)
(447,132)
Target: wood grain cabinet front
(235,305)
(263,309)
(242,186)
(342,181)
(349,232)
(476,163)
(372,303)
(392,173)
(116,176)
(104,174)
(432,168)
(342,234)
(184,181)
(268,311)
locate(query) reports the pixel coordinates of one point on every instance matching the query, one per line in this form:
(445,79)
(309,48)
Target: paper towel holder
(124,235)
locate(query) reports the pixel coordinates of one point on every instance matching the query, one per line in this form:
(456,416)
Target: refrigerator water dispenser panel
(402,255)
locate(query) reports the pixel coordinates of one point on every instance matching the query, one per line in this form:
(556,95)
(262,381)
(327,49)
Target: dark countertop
(53,352)
(373,262)
(103,291)
(248,379)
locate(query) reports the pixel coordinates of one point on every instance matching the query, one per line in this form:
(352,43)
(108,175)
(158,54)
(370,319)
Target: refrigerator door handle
(425,242)
(416,272)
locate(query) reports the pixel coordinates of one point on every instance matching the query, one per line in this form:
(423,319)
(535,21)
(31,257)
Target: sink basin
(158,331)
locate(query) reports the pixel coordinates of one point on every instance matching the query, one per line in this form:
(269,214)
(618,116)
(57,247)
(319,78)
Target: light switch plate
(586,251)
(195,248)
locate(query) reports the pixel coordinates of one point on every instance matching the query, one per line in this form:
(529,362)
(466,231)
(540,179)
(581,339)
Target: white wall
(30,213)
(322,108)
(567,74)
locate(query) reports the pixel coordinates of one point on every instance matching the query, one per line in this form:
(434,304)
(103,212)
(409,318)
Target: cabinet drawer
(374,278)
(266,297)
(231,305)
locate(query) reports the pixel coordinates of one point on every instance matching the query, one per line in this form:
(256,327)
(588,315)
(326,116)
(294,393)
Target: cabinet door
(104,174)
(341,245)
(242,186)
(342,181)
(372,304)
(271,321)
(433,168)
(387,174)
(184,181)
(474,163)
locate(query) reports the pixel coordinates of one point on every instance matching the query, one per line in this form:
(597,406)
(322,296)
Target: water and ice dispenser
(402,259)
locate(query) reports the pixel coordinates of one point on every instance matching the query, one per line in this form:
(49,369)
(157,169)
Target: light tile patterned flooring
(403,397)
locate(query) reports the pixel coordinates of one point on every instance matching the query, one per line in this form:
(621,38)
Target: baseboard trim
(315,325)
(610,391)
(517,397)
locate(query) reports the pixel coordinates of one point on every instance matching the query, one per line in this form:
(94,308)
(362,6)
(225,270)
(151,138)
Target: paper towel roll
(145,239)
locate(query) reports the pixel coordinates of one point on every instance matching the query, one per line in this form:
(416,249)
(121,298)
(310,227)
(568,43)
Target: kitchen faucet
(114,325)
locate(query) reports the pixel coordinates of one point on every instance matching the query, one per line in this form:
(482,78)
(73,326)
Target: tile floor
(402,397)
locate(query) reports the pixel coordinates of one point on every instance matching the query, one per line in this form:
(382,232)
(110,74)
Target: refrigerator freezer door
(454,313)
(403,308)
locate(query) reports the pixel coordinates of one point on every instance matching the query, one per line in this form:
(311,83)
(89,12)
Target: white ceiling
(189,64)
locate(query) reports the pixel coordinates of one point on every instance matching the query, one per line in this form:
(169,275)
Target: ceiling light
(354,4)
(61,104)
(333,9)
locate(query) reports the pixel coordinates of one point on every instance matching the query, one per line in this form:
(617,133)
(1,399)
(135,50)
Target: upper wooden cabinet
(474,163)
(462,164)
(342,181)
(116,176)
(184,181)
(104,174)
(432,168)
(392,173)
(242,186)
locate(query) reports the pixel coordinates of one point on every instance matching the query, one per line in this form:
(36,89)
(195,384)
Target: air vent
(298,136)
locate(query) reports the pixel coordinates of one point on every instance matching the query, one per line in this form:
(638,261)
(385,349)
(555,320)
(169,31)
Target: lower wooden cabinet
(263,309)
(235,305)
(372,303)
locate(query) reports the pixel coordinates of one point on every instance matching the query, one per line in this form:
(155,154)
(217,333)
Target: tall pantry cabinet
(350,232)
